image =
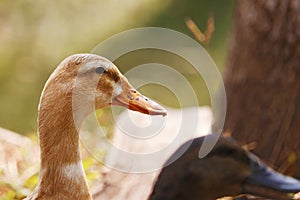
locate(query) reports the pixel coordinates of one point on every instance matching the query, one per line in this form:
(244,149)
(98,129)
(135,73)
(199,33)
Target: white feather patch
(73,171)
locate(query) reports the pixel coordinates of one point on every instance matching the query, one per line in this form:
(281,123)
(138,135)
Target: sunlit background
(36,35)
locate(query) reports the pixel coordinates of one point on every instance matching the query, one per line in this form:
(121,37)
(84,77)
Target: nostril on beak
(145,98)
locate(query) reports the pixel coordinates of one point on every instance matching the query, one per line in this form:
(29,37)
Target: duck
(94,80)
(228,170)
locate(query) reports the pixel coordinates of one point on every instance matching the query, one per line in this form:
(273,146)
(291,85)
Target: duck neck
(61,172)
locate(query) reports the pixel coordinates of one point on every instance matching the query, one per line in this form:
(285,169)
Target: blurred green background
(35,36)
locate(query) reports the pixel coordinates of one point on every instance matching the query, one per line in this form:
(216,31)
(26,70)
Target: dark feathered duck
(228,170)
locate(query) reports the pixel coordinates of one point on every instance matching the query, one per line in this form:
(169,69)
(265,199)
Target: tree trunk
(262,80)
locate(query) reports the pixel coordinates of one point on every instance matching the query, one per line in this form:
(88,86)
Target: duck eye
(100,70)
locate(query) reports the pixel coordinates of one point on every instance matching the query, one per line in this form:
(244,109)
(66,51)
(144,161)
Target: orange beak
(130,98)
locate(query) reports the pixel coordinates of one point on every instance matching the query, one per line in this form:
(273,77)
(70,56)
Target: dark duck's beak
(228,170)
(264,181)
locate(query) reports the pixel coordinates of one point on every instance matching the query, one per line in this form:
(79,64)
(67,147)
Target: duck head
(93,82)
(228,170)
(80,84)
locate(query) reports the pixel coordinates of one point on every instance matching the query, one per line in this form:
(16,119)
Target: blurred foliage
(36,35)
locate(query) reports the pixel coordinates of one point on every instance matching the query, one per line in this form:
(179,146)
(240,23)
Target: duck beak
(130,98)
(268,183)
